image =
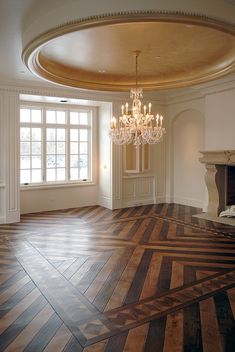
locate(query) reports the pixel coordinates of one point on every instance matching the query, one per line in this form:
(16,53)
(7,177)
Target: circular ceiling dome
(97,53)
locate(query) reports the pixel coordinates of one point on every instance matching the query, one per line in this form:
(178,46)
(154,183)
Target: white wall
(203,120)
(9,159)
(57,198)
(158,157)
(105,157)
(177,112)
(188,172)
(220,121)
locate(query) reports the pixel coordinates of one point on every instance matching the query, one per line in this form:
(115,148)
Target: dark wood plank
(225,320)
(192,329)
(156,334)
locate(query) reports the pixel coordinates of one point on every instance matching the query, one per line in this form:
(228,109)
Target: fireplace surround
(220,179)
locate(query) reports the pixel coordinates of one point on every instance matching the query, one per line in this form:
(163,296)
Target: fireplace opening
(231,185)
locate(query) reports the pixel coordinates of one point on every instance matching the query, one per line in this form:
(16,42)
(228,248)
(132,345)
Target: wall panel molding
(9,157)
(138,190)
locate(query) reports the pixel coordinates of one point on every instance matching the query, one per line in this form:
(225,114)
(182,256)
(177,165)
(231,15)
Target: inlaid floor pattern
(145,279)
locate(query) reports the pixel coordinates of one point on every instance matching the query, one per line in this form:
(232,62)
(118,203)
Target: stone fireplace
(220,179)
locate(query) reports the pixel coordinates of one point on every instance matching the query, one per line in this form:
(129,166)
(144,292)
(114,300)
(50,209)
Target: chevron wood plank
(141,279)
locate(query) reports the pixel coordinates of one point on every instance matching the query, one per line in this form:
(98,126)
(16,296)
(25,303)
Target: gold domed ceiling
(176,51)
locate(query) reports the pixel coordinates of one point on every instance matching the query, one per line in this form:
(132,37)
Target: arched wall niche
(187,173)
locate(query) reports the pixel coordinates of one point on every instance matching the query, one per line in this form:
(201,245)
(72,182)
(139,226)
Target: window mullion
(30,148)
(44,145)
(89,147)
(68,147)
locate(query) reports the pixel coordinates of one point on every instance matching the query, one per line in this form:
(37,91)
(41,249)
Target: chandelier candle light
(138,126)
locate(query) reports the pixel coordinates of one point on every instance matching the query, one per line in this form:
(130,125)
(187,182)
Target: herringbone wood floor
(150,278)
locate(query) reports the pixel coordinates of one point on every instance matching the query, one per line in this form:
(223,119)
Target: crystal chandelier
(138,126)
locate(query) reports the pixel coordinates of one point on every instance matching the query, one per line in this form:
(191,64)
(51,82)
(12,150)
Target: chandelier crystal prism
(138,125)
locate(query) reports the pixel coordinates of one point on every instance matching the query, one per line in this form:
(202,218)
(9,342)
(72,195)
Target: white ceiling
(12,13)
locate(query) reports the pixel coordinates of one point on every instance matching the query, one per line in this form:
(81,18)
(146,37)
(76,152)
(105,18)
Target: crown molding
(164,97)
(201,91)
(48,89)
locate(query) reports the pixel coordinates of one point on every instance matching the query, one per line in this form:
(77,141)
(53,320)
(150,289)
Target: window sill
(57,185)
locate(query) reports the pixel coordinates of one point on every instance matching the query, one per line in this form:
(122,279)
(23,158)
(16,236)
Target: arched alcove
(188,173)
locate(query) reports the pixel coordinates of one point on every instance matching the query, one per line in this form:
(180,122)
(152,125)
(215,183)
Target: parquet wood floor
(145,279)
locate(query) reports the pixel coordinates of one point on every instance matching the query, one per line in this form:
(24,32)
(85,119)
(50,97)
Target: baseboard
(136,203)
(11,217)
(105,202)
(160,199)
(2,220)
(188,201)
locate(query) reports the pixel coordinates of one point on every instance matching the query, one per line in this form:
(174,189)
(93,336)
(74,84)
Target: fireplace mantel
(218,157)
(217,163)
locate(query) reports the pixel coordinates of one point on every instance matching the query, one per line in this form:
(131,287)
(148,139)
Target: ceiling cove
(177,50)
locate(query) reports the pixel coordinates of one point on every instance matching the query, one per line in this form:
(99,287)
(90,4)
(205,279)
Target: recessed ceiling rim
(126,87)
(32,49)
(124,17)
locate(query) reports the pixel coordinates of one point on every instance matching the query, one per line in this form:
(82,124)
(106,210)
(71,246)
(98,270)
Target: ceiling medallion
(178,50)
(137,126)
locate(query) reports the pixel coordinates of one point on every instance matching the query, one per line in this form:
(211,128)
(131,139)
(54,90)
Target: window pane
(83,148)
(60,174)
(36,162)
(36,116)
(60,147)
(51,175)
(51,147)
(24,176)
(25,162)
(83,118)
(36,134)
(25,148)
(74,135)
(25,134)
(74,148)
(83,173)
(36,148)
(74,159)
(74,118)
(73,174)
(60,117)
(50,116)
(36,175)
(83,160)
(24,115)
(60,160)
(60,134)
(51,134)
(51,161)
(83,135)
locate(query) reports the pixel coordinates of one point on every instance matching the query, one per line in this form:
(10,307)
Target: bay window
(55,145)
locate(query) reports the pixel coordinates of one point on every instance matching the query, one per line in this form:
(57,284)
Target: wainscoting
(138,190)
(142,279)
